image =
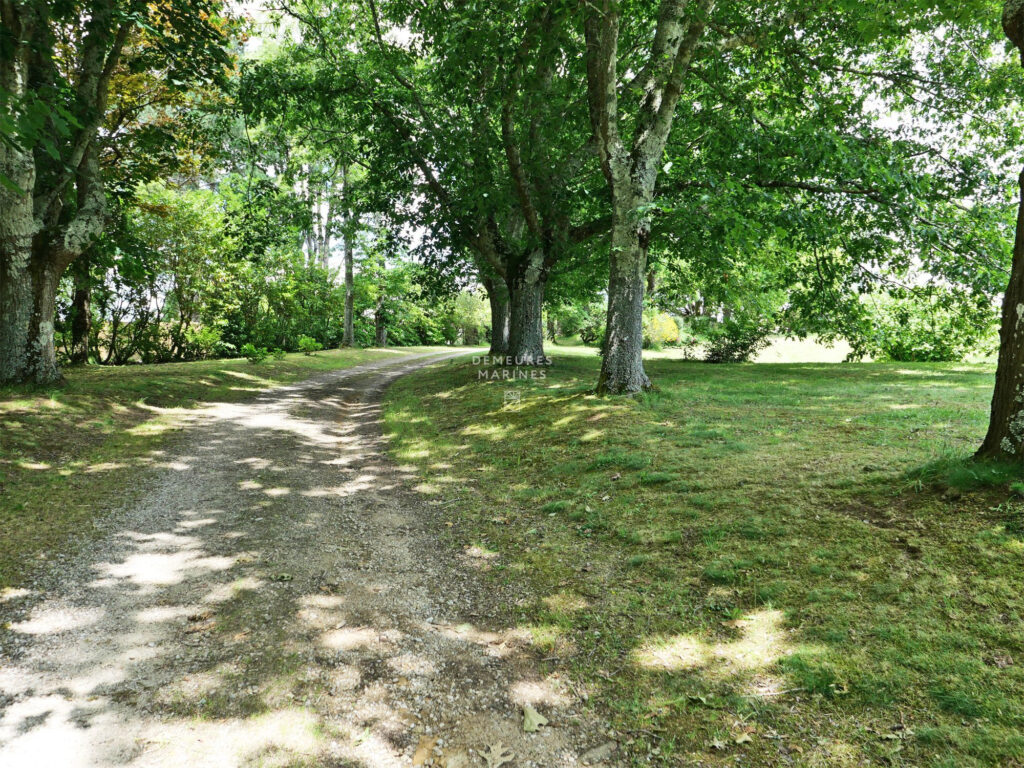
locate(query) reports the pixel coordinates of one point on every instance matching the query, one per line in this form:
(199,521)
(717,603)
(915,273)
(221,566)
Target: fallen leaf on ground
(532,719)
(498,755)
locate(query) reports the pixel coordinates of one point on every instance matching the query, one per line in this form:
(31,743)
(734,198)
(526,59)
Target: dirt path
(278,597)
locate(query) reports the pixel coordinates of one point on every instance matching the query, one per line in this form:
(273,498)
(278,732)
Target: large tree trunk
(526,320)
(497,296)
(17,230)
(81,310)
(1005,436)
(622,366)
(526,310)
(28,293)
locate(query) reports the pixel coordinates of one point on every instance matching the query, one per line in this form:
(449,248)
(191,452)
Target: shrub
(308,345)
(253,353)
(277,353)
(204,342)
(923,330)
(660,329)
(737,340)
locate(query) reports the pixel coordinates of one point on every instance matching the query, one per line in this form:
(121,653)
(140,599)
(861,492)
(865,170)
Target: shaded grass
(772,564)
(71,451)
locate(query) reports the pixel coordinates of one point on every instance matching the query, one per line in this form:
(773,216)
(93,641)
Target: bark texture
(526,312)
(1005,436)
(497,296)
(622,368)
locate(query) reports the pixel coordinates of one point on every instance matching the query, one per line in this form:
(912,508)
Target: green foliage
(253,353)
(583,319)
(927,329)
(737,339)
(308,345)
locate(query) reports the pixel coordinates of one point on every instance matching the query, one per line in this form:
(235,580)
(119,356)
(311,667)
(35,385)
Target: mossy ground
(755,564)
(70,451)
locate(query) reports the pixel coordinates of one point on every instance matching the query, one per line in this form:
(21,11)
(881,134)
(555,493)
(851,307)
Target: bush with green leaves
(308,345)
(254,354)
(204,342)
(738,339)
(923,329)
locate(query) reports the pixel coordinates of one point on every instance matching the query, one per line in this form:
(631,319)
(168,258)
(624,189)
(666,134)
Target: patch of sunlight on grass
(591,435)
(761,644)
(566,602)
(495,432)
(545,636)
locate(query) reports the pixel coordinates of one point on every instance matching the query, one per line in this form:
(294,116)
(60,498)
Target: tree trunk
(16,230)
(552,329)
(26,332)
(622,366)
(348,338)
(28,296)
(81,311)
(526,312)
(379,327)
(497,296)
(526,322)
(1005,438)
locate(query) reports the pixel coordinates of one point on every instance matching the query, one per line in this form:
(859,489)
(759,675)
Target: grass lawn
(71,451)
(758,565)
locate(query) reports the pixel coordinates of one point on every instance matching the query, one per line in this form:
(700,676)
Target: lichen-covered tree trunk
(18,230)
(622,367)
(526,312)
(497,296)
(1005,435)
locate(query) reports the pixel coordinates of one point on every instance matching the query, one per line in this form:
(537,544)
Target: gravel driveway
(277,595)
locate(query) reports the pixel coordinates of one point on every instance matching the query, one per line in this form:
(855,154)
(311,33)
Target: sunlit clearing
(761,644)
